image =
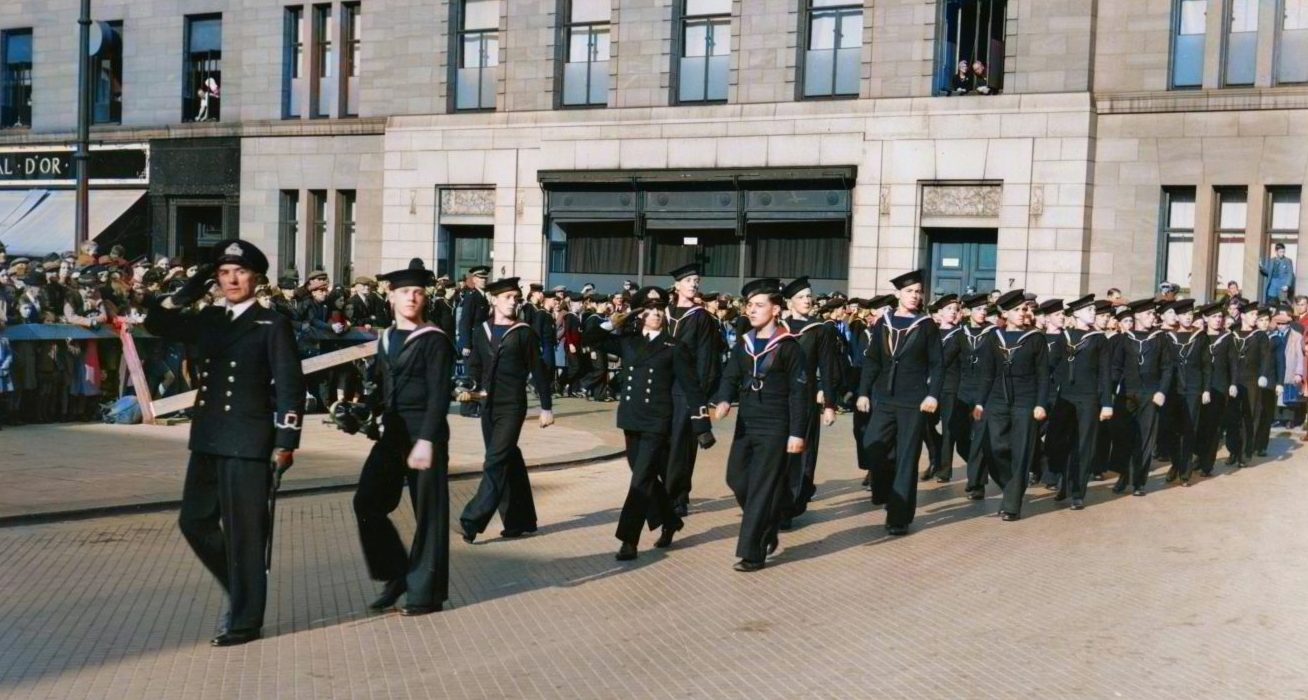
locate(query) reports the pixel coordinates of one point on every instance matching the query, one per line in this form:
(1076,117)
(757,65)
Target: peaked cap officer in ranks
(505,351)
(245,424)
(698,330)
(412,378)
(903,375)
(653,362)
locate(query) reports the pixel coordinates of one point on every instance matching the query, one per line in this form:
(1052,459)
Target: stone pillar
(1205,243)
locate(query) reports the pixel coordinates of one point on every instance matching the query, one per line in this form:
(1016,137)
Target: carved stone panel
(961,200)
(464,202)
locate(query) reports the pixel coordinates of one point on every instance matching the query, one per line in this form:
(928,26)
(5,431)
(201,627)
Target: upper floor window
(833,48)
(705,56)
(1241,42)
(292,61)
(322,89)
(477,49)
(1292,43)
(970,46)
(586,70)
(107,74)
(203,69)
(1189,24)
(15,78)
(351,44)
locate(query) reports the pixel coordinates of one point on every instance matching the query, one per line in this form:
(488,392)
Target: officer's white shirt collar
(649,334)
(238,309)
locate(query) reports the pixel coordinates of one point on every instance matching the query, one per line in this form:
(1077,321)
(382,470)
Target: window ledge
(1217,100)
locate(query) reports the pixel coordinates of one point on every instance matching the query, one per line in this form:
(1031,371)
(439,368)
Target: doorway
(961,261)
(469,246)
(197,226)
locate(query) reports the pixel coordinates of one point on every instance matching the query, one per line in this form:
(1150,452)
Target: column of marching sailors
(1058,393)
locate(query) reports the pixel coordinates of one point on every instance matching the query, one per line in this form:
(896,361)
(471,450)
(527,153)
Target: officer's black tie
(231,315)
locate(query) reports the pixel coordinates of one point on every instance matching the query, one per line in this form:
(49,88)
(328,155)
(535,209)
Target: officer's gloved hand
(706,440)
(372,430)
(1233,392)
(195,288)
(1262,382)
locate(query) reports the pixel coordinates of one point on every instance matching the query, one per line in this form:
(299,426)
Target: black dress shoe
(468,536)
(419,610)
(233,638)
(681,509)
(748,566)
(1230,461)
(512,533)
(786,524)
(867,481)
(626,552)
(1078,504)
(1172,474)
(1009,517)
(1119,487)
(926,475)
(1138,492)
(1207,472)
(391,592)
(1164,459)
(878,501)
(770,547)
(665,537)
(896,530)
(1060,496)
(977,495)
(1260,453)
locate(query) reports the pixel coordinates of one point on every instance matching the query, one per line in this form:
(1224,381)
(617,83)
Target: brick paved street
(1187,593)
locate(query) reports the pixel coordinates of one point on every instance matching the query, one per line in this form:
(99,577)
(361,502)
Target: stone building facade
(1122,142)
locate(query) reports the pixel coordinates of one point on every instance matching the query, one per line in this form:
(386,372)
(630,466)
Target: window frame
(188,63)
(8,90)
(323,56)
(1228,22)
(116,73)
(681,20)
(1168,232)
(294,65)
(350,52)
(1271,235)
(1220,195)
(806,16)
(1278,44)
(1175,28)
(288,227)
(563,43)
(315,231)
(455,56)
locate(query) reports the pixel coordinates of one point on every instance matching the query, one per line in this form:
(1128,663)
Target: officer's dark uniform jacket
(975,369)
(1085,368)
(1145,362)
(1253,358)
(652,368)
(951,353)
(765,382)
(697,329)
(415,388)
(903,365)
(1021,369)
(473,311)
(368,310)
(441,314)
(1222,362)
(1054,354)
(1191,362)
(819,344)
(841,381)
(542,322)
(251,394)
(501,368)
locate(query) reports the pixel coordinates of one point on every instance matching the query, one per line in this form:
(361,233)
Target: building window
(970,43)
(317,230)
(477,49)
(344,257)
(288,227)
(1283,219)
(1241,42)
(705,52)
(322,89)
(819,249)
(203,71)
(1189,24)
(1176,236)
(292,61)
(1292,43)
(833,48)
(107,75)
(586,68)
(16,88)
(351,43)
(1232,215)
(597,248)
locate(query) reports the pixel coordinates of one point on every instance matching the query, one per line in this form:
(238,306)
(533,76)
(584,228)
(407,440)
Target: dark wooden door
(962,261)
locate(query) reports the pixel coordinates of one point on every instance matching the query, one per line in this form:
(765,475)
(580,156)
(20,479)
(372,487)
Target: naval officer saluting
(245,425)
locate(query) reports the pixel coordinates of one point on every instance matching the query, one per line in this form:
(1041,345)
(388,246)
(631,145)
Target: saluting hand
(794,445)
(420,455)
(546,419)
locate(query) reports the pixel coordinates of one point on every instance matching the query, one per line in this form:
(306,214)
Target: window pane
(1188,61)
(1296,14)
(578,45)
(717,77)
(691,78)
(601,44)
(696,40)
(851,31)
(720,37)
(1285,210)
(1230,259)
(591,10)
(599,83)
(708,7)
(481,14)
(1244,16)
(206,35)
(492,53)
(574,84)
(1180,260)
(1181,212)
(18,48)
(836,3)
(471,51)
(1233,212)
(822,33)
(1241,56)
(1194,17)
(848,62)
(818,72)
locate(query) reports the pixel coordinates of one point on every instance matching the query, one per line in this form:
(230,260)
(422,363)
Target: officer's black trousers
(1209,432)
(224,517)
(504,483)
(931,439)
(755,473)
(1185,424)
(1077,436)
(647,498)
(1141,432)
(894,437)
(425,567)
(1013,431)
(1266,412)
(801,469)
(1242,415)
(681,452)
(980,458)
(861,451)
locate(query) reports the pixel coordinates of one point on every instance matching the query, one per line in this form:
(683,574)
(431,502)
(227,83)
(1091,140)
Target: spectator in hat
(365,309)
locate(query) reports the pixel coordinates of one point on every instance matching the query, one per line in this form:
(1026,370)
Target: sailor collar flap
(690,311)
(1142,341)
(952,332)
(1075,347)
(761,362)
(486,327)
(1212,346)
(896,337)
(1003,343)
(417,333)
(811,324)
(975,339)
